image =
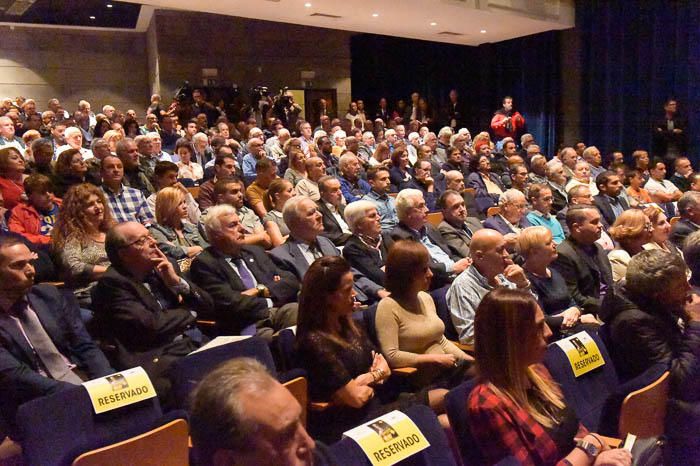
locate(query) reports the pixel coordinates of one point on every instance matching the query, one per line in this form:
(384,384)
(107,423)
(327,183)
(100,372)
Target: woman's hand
(616,457)
(589,319)
(445,360)
(379,363)
(570,316)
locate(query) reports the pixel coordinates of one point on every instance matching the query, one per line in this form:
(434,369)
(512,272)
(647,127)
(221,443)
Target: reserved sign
(583,353)
(389,438)
(120,389)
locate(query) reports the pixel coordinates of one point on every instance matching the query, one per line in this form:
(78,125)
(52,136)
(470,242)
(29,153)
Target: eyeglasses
(139,242)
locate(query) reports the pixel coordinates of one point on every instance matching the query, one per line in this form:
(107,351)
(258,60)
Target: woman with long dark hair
(516,410)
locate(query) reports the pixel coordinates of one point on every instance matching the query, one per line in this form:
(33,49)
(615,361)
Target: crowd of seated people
(262,223)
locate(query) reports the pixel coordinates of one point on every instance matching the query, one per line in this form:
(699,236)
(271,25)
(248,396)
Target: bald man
(491,268)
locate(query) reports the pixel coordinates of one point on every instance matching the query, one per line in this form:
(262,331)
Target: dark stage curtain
(526,68)
(635,54)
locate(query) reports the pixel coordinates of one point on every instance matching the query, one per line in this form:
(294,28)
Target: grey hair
(199,136)
(552,165)
(290,212)
(72,130)
(212,219)
(650,273)
(404,201)
(588,151)
(345,160)
(444,131)
(218,419)
(510,196)
(688,200)
(691,253)
(356,211)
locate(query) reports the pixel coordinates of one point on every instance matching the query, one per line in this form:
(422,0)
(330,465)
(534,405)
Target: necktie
(467,231)
(313,249)
(54,363)
(246,277)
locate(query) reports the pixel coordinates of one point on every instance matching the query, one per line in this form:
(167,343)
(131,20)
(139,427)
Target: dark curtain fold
(634,55)
(526,68)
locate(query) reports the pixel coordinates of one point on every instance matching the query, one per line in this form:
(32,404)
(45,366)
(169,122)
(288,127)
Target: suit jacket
(583,273)
(602,202)
(497,223)
(441,276)
(367,260)
(289,257)
(61,320)
(483,198)
(331,227)
(680,231)
(456,238)
(559,201)
(144,333)
(214,274)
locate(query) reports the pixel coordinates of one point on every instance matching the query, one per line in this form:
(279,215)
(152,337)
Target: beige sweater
(403,334)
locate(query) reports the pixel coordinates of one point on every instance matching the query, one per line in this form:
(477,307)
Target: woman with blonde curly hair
(113,137)
(632,230)
(79,238)
(177,239)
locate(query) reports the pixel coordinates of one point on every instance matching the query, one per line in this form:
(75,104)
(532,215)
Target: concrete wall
(102,67)
(250,52)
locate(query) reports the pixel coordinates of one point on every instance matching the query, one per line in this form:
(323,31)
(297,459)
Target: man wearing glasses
(144,307)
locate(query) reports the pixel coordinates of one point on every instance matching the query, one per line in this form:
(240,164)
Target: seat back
(493,211)
(287,352)
(456,407)
(673,220)
(366,318)
(166,444)
(644,411)
(589,393)
(55,429)
(435,218)
(188,371)
(438,453)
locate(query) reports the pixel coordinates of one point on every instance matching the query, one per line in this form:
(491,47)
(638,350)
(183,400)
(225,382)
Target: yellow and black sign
(389,438)
(583,353)
(120,389)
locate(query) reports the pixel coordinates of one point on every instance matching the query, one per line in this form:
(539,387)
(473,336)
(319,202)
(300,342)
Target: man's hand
(461,265)
(570,316)
(516,274)
(165,270)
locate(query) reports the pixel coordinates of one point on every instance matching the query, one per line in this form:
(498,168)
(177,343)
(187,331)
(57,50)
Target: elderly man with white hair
(306,244)
(256,151)
(556,179)
(413,225)
(339,142)
(274,145)
(367,147)
(245,285)
(8,137)
(511,219)
(158,151)
(74,140)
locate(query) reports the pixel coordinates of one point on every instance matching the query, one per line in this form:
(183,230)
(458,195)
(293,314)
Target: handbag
(648,451)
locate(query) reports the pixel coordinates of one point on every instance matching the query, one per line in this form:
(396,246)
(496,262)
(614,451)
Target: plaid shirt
(129,205)
(502,428)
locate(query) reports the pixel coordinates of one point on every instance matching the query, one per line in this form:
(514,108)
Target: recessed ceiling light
(109,5)
(433,23)
(483,31)
(374,15)
(307,5)
(92,17)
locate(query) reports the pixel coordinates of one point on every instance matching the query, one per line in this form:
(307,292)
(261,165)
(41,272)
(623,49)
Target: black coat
(680,231)
(642,334)
(214,274)
(602,202)
(367,260)
(331,227)
(583,273)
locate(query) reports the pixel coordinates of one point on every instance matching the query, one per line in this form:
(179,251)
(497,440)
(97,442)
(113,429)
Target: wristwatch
(588,448)
(261,289)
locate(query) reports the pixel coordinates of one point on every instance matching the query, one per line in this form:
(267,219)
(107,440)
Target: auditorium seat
(644,411)
(438,453)
(456,407)
(56,429)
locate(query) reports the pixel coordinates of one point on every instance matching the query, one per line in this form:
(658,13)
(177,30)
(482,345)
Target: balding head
(454,180)
(488,251)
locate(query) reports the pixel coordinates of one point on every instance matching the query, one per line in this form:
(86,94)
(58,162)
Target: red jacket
(503,129)
(26,221)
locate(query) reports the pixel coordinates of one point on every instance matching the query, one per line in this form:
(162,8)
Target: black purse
(648,451)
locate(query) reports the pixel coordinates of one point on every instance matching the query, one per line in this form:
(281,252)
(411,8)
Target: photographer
(202,106)
(286,109)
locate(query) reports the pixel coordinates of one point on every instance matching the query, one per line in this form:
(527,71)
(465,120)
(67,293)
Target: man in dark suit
(331,208)
(454,114)
(305,244)
(144,307)
(413,225)
(44,347)
(457,228)
(669,134)
(582,262)
(246,286)
(609,202)
(511,218)
(689,208)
